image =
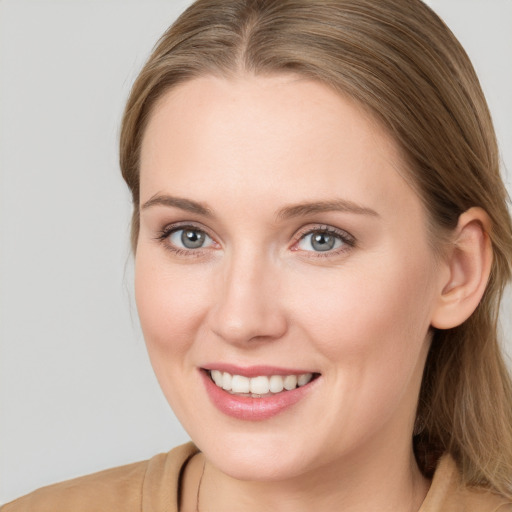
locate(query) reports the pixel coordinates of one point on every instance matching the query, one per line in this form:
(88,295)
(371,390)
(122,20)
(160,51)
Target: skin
(257,293)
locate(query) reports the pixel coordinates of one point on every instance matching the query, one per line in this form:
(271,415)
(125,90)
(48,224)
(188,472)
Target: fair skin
(260,285)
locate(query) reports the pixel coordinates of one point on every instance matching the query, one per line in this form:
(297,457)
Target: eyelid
(175,226)
(349,241)
(165,233)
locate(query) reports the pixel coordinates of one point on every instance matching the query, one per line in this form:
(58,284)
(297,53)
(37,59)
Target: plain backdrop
(77,393)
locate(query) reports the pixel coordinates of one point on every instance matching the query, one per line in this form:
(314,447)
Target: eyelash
(163,237)
(346,238)
(348,241)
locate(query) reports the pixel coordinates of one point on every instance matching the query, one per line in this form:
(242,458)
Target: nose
(247,305)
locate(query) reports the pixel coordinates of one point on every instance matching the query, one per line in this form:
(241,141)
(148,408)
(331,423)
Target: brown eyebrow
(340,205)
(178,202)
(297,210)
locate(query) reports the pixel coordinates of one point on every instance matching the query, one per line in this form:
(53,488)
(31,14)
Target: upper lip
(255,371)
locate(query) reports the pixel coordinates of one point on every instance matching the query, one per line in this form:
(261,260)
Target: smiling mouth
(261,386)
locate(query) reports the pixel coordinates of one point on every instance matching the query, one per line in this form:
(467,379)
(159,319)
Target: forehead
(260,138)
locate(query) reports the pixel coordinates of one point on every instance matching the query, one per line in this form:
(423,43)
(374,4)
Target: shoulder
(146,485)
(448,493)
(113,488)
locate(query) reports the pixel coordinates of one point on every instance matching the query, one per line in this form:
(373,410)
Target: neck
(371,483)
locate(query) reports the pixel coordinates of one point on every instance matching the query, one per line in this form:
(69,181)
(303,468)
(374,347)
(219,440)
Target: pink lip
(254,409)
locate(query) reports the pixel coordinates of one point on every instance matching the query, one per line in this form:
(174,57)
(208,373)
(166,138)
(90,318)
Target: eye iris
(192,239)
(322,241)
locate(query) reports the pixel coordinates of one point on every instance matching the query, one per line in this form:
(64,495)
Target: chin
(268,455)
(257,467)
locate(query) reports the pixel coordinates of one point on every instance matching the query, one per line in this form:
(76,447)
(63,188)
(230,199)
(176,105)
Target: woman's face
(279,239)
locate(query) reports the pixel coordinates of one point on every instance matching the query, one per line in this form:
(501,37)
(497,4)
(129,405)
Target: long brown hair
(401,62)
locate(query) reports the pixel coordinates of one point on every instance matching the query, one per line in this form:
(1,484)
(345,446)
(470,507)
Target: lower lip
(253,409)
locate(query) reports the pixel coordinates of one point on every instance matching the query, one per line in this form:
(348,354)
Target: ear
(469,262)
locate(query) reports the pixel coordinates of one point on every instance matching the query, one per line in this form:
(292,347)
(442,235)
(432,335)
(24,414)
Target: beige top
(152,486)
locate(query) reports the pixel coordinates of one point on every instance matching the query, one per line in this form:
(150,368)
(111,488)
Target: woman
(321,240)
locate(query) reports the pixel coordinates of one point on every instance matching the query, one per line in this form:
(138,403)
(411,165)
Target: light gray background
(77,393)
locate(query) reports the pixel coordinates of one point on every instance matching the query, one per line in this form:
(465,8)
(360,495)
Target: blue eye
(322,240)
(189,238)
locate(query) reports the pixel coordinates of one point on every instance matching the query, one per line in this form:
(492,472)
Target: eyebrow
(309,208)
(178,202)
(296,210)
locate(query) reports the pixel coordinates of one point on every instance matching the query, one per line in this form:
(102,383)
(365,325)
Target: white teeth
(240,384)
(290,382)
(304,379)
(217,377)
(261,385)
(276,384)
(226,381)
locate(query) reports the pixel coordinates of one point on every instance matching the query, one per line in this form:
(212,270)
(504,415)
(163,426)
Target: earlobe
(469,263)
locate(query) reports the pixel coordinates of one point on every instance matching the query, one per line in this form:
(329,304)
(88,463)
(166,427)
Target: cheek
(170,300)
(371,329)
(364,315)
(170,303)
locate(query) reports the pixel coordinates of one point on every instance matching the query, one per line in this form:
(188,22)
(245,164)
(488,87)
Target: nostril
(247,308)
